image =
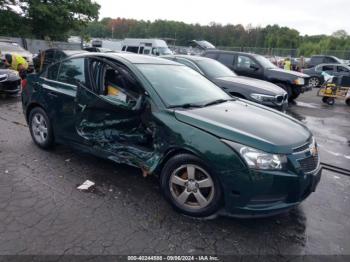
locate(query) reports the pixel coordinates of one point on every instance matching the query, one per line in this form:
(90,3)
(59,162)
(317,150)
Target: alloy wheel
(314,82)
(191,187)
(39,128)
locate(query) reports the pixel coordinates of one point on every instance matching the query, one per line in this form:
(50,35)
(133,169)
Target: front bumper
(267,193)
(10,87)
(280,107)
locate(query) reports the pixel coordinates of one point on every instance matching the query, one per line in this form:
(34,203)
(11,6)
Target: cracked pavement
(42,212)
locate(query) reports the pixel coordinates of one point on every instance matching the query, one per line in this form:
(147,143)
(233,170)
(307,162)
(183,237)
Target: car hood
(287,72)
(249,124)
(255,85)
(8,75)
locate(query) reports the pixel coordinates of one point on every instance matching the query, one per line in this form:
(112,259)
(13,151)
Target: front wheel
(314,81)
(40,128)
(190,186)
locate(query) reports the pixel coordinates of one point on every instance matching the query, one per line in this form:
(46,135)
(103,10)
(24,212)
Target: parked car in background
(49,56)
(259,67)
(211,151)
(257,91)
(10,82)
(315,73)
(8,47)
(323,59)
(154,47)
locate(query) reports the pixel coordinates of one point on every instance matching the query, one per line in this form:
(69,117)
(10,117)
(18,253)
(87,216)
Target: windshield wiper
(218,101)
(187,105)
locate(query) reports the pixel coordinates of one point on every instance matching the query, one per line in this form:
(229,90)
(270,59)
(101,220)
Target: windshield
(180,85)
(214,69)
(205,44)
(10,47)
(265,63)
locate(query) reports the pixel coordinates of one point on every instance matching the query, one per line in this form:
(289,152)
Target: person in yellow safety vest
(18,63)
(287,64)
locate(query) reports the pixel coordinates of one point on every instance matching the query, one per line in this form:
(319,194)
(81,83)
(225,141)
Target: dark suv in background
(259,67)
(323,59)
(257,91)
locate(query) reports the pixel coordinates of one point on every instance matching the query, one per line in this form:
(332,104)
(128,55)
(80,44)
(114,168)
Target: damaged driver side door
(111,114)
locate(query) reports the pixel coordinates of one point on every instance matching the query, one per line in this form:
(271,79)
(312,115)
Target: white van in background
(154,47)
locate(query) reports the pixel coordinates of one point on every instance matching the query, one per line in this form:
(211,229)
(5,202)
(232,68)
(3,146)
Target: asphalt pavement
(42,212)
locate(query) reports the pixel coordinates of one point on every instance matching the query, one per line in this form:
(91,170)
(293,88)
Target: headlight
(257,159)
(263,98)
(299,81)
(13,73)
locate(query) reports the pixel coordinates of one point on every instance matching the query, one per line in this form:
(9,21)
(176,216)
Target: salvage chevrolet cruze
(213,153)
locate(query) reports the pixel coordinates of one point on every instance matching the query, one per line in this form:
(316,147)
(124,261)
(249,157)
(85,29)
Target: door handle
(52,94)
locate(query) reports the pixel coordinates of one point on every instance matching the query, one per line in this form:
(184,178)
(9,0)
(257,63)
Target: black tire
(173,191)
(296,91)
(347,101)
(324,99)
(330,101)
(47,138)
(314,81)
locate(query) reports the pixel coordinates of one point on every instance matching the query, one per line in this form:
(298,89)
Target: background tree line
(57,19)
(271,36)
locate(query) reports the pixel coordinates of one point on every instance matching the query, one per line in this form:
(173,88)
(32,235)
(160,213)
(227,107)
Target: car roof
(332,64)
(131,58)
(188,57)
(230,52)
(68,52)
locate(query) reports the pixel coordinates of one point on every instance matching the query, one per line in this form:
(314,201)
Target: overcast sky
(307,16)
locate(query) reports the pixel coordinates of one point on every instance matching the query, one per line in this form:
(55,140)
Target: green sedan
(214,154)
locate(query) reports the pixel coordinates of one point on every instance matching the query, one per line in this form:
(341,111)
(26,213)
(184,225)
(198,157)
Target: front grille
(279,99)
(309,164)
(10,86)
(303,147)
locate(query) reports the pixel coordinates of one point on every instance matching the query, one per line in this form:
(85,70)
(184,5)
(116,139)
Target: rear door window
(342,69)
(226,59)
(72,72)
(52,72)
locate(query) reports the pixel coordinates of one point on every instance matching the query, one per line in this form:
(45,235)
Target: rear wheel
(190,186)
(40,128)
